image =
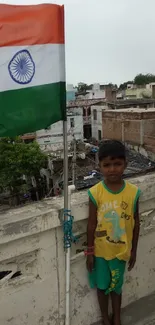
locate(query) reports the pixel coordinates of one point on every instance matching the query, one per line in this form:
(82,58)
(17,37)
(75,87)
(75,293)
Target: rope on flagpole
(69,237)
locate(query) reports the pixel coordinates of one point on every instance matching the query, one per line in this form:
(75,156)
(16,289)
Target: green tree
(143,79)
(82,87)
(123,86)
(18,159)
(112,85)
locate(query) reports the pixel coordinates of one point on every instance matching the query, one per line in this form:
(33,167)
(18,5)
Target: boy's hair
(113,149)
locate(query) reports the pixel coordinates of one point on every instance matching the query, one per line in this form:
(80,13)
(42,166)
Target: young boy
(113,229)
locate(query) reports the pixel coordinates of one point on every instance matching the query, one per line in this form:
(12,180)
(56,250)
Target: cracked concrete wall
(32,274)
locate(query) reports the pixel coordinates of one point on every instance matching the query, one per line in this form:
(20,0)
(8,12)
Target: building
(81,109)
(133,91)
(52,137)
(151,89)
(97,91)
(131,126)
(85,105)
(96,121)
(96,110)
(120,94)
(134,103)
(144,91)
(92,128)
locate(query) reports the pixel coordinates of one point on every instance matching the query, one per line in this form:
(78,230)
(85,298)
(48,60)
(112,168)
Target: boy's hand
(90,263)
(132,260)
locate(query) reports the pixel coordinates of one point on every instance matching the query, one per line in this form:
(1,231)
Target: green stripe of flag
(31,109)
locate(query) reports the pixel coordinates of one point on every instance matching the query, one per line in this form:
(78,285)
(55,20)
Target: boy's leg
(117,271)
(103,303)
(116,307)
(103,278)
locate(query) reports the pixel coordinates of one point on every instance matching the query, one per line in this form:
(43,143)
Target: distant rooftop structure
(133,110)
(126,103)
(84,102)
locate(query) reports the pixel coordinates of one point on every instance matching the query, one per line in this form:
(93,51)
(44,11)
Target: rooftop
(31,245)
(83,102)
(133,110)
(132,102)
(119,103)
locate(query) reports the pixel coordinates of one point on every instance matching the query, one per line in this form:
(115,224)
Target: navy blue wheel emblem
(22,67)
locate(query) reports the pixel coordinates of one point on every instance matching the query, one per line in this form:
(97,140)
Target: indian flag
(32,68)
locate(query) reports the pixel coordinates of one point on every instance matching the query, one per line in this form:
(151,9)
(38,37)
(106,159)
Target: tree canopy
(143,79)
(123,86)
(17,159)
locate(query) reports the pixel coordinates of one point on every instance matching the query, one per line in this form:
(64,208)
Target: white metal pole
(67,255)
(65,165)
(67,319)
(74,162)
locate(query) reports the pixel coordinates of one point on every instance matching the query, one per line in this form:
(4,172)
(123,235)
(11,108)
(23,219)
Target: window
(84,111)
(72,123)
(99,135)
(88,111)
(95,114)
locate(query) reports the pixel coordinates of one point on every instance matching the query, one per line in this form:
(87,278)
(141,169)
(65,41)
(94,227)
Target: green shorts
(108,275)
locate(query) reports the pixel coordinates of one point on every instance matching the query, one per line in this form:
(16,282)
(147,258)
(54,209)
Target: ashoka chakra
(22,67)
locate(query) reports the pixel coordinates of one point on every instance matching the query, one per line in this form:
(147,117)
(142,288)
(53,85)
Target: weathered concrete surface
(31,242)
(141,312)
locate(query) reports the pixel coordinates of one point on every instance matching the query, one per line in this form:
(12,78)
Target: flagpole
(67,255)
(65,165)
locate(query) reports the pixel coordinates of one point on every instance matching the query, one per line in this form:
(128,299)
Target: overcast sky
(107,40)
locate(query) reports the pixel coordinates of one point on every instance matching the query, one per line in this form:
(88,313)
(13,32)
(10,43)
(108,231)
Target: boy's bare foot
(106,322)
(114,322)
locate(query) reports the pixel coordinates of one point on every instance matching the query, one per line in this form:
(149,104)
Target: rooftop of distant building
(133,110)
(122,102)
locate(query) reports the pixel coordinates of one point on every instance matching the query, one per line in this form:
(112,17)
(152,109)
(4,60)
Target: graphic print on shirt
(117,232)
(124,205)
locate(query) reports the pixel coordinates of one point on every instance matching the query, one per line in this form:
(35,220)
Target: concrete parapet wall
(31,247)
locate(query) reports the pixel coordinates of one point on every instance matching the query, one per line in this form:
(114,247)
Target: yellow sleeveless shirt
(115,220)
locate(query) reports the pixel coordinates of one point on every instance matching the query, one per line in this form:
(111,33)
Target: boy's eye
(106,165)
(112,165)
(117,164)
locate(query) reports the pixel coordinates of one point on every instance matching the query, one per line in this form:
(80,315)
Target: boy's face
(112,168)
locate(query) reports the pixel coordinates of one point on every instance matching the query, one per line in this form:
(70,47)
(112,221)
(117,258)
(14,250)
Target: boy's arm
(136,230)
(92,223)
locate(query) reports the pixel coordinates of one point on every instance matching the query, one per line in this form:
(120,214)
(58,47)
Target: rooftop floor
(141,312)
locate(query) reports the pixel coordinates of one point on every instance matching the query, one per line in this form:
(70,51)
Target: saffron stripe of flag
(32,68)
